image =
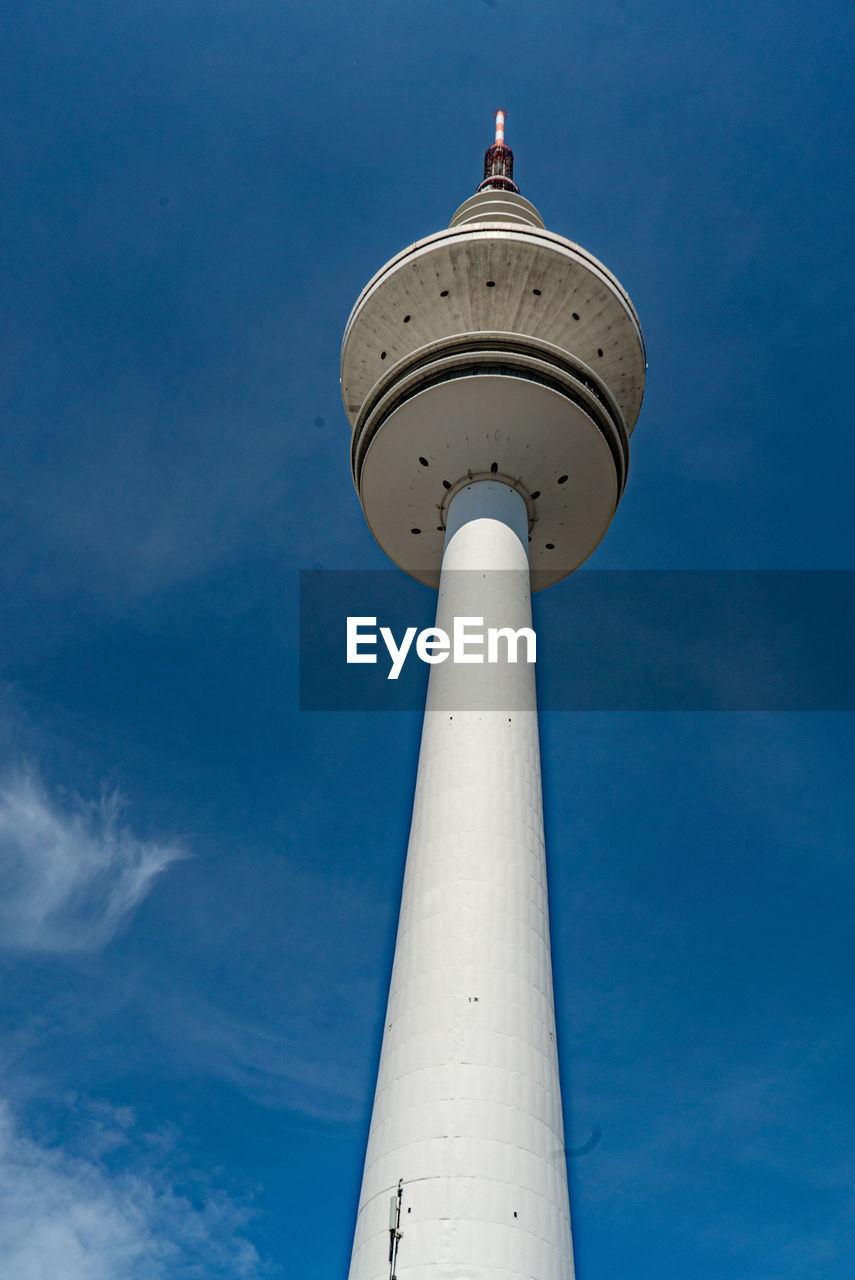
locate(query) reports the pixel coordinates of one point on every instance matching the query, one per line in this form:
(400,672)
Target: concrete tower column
(467,1112)
(492,374)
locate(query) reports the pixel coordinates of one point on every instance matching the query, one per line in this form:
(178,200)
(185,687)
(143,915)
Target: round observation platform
(492,350)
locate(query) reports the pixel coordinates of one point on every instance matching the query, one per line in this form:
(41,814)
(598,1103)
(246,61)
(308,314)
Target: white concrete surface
(468,1108)
(544,288)
(545,443)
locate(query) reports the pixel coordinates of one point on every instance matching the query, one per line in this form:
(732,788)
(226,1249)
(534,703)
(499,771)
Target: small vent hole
(491,284)
(536,293)
(535,495)
(494,467)
(439,528)
(444,293)
(446,484)
(415,531)
(407,319)
(575,315)
(563,479)
(424,462)
(599,351)
(550,546)
(382,355)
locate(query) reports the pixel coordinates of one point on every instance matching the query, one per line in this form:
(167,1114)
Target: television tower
(492,374)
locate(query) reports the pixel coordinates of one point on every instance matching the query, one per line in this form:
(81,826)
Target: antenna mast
(395,1228)
(499,162)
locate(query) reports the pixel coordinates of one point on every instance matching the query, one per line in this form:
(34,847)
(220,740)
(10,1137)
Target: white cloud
(69,875)
(304,1067)
(66,1214)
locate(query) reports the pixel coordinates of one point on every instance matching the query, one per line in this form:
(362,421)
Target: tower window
(443,293)
(491,284)
(424,462)
(536,494)
(563,479)
(407,319)
(599,351)
(550,546)
(536,292)
(575,315)
(415,531)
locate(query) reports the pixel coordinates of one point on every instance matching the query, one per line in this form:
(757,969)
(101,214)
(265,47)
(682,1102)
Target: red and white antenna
(499,162)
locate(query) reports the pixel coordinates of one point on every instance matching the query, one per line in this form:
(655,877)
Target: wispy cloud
(69,874)
(751,1134)
(305,1068)
(66,1213)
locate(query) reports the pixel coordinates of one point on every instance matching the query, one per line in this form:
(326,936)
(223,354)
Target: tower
(492,374)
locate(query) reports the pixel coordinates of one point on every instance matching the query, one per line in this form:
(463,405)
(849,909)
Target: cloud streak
(69,875)
(304,1068)
(64,1213)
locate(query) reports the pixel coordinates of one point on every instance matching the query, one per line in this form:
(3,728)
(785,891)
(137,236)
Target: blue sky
(198,880)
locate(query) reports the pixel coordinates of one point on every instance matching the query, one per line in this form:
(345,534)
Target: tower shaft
(492,374)
(467,1111)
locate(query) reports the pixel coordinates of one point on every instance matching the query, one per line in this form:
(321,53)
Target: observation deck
(494,350)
